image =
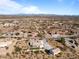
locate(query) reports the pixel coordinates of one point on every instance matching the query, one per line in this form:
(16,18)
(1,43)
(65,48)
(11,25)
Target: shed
(56,51)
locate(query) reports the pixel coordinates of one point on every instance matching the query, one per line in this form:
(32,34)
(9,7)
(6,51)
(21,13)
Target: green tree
(62,40)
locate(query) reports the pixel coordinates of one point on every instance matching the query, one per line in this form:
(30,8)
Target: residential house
(43,44)
(71,43)
(56,51)
(14,34)
(5,44)
(36,43)
(56,36)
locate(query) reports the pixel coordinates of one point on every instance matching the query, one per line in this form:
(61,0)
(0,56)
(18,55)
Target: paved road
(75,35)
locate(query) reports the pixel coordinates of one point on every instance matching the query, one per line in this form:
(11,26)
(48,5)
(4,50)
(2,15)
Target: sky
(58,7)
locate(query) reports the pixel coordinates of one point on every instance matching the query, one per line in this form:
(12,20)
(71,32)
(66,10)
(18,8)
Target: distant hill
(55,17)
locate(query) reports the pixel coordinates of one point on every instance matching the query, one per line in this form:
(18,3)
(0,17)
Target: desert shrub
(62,40)
(17,49)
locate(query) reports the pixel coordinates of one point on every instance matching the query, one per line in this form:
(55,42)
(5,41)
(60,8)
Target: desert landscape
(39,37)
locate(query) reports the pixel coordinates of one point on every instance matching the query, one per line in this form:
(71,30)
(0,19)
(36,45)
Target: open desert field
(39,37)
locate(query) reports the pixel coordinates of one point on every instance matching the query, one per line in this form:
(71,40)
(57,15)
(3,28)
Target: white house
(36,43)
(14,34)
(43,44)
(71,43)
(4,44)
(8,24)
(56,36)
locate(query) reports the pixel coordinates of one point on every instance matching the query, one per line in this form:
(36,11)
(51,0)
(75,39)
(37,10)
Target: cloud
(11,7)
(31,10)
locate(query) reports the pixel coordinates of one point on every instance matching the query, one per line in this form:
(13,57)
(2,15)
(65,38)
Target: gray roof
(46,45)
